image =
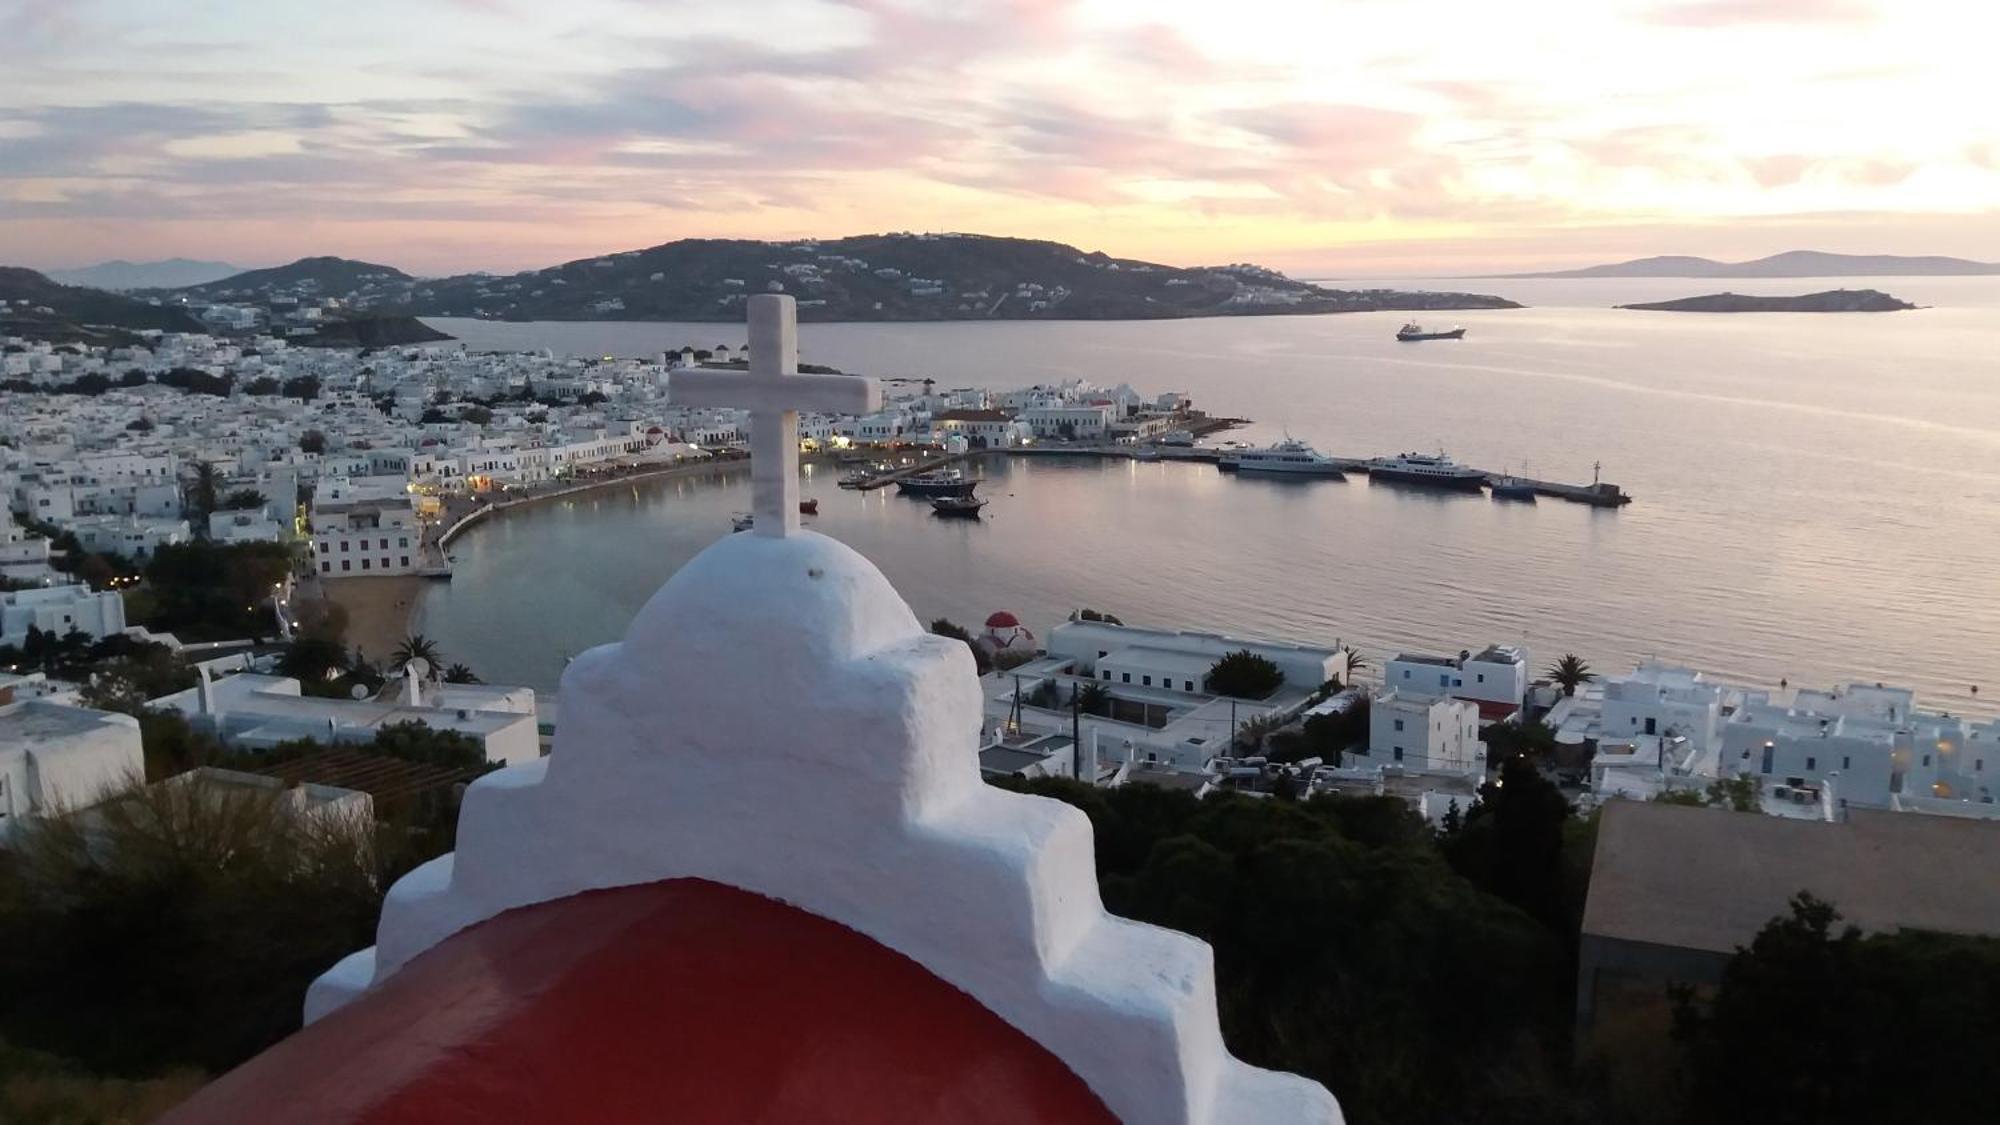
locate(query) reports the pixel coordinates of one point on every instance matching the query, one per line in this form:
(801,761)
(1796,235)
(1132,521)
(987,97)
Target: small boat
(1289,457)
(809,506)
(1178,437)
(1415,331)
(1434,470)
(1506,486)
(964,507)
(742,521)
(1145,453)
(948,482)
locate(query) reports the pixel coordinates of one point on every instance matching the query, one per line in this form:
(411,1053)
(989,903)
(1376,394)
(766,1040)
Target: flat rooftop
(1709,879)
(34,720)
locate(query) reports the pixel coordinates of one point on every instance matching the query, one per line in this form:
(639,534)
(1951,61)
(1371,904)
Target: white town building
(57,758)
(1425,733)
(1496,677)
(57,610)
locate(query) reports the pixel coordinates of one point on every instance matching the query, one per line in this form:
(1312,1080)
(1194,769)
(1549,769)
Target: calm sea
(1818,497)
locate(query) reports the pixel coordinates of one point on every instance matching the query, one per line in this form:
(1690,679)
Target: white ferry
(1289,456)
(1435,470)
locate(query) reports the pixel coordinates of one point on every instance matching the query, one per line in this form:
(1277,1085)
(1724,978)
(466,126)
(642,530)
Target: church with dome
(760,879)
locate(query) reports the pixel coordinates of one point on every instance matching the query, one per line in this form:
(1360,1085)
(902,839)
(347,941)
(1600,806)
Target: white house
(58,609)
(1069,421)
(1663,699)
(1871,742)
(367,537)
(55,758)
(1426,733)
(1496,677)
(1305,667)
(258,712)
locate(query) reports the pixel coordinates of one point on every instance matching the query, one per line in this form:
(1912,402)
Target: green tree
(1830,1019)
(243,499)
(313,660)
(461,674)
(1092,698)
(945,627)
(1244,675)
(1512,845)
(302,387)
(188,920)
(262,385)
(1570,672)
(312,441)
(1339,934)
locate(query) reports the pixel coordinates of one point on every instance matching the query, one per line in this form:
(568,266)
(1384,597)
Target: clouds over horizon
(506,133)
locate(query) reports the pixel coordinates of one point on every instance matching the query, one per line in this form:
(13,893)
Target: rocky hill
(1833,300)
(372,332)
(41,309)
(307,277)
(1792,263)
(891,277)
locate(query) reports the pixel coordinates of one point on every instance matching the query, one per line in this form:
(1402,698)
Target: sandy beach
(379,610)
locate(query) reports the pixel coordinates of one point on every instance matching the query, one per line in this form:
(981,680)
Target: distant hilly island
(1792,263)
(168,274)
(1833,300)
(886,277)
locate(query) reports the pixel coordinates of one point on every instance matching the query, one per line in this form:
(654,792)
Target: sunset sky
(1323,138)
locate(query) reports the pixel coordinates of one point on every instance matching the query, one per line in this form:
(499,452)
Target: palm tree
(201,494)
(1355,661)
(1092,698)
(1571,672)
(460,674)
(414,646)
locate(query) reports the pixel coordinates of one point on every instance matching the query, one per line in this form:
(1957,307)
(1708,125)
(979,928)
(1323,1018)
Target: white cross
(774,392)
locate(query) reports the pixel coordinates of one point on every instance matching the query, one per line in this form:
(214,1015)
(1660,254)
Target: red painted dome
(682,1000)
(1003,620)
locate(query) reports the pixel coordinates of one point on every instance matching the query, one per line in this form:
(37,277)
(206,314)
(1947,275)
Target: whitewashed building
(1174,654)
(1496,677)
(56,758)
(58,609)
(1425,733)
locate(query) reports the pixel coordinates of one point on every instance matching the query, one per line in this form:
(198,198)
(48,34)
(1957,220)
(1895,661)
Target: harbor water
(1818,496)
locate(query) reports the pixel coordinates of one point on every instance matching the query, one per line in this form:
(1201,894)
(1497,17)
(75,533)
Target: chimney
(205,693)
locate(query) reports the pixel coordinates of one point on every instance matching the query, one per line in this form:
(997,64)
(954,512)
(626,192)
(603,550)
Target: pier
(890,476)
(1597,494)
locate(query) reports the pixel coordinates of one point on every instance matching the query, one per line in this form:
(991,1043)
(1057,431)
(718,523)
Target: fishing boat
(963,507)
(1415,331)
(809,506)
(742,521)
(945,482)
(1506,486)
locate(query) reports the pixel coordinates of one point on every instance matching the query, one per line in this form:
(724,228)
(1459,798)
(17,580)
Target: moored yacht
(1289,456)
(1435,470)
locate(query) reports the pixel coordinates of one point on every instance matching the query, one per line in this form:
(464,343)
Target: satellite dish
(418,667)
(358,691)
